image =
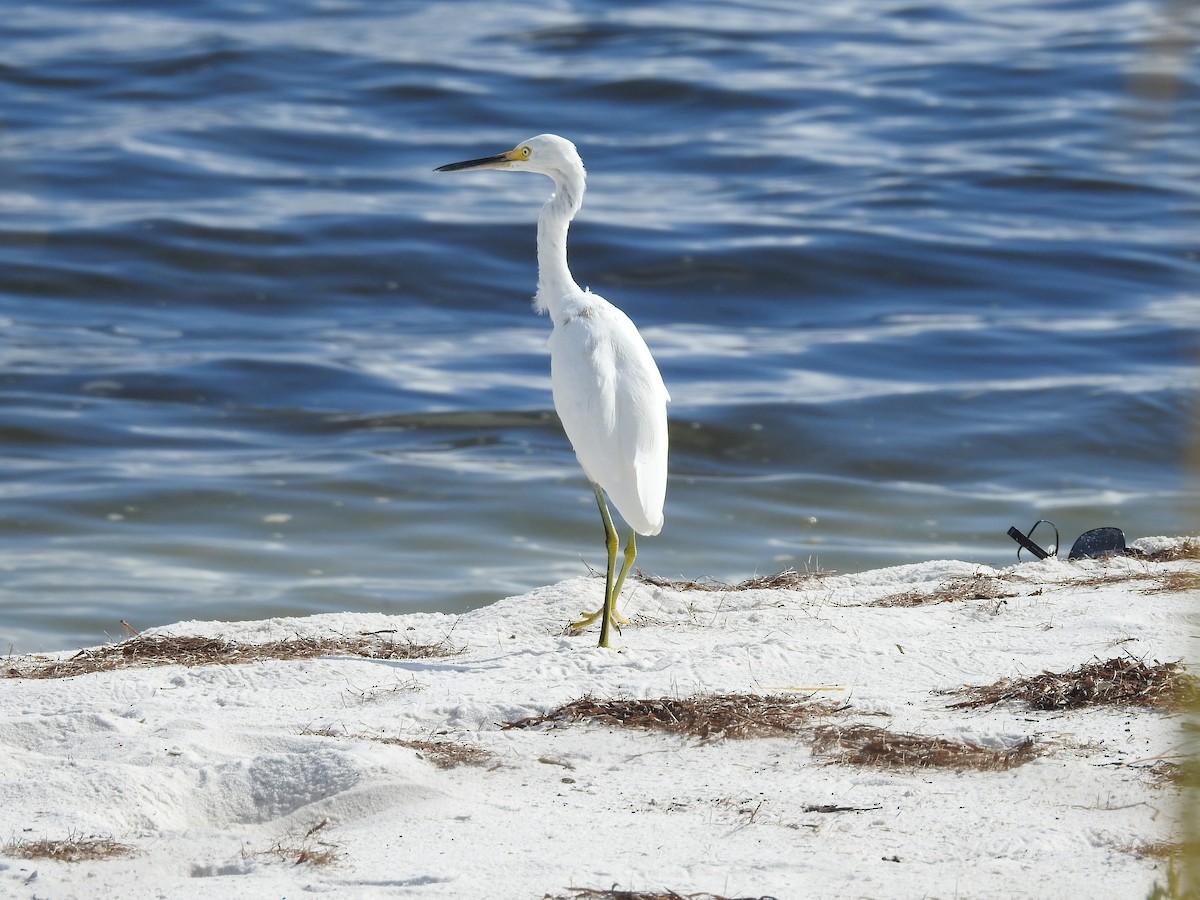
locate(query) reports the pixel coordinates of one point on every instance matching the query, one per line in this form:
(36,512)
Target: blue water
(913,273)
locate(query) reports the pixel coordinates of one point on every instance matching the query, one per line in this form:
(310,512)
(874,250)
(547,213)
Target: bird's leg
(610,597)
(611,544)
(630,556)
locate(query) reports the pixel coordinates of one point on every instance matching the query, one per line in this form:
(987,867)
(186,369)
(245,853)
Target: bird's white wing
(613,405)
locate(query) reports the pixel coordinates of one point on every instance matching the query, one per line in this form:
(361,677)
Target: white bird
(607,389)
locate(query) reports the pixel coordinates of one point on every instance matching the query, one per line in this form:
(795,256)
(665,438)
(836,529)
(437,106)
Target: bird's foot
(589,618)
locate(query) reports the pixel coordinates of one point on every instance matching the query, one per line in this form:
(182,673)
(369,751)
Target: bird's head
(547,154)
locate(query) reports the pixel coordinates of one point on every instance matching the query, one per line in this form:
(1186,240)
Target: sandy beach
(812,736)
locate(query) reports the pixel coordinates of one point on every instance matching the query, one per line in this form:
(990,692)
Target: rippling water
(913,272)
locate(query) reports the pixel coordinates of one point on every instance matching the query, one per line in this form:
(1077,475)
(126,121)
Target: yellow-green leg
(630,556)
(608,610)
(610,543)
(610,600)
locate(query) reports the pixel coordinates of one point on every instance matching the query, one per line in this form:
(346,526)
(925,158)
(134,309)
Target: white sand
(205,771)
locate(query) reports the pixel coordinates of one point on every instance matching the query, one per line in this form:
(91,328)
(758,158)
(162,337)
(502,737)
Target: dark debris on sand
(788,579)
(869,745)
(1122,681)
(69,849)
(715,716)
(203,651)
(617,894)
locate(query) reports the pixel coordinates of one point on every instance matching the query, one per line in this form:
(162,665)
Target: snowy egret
(607,389)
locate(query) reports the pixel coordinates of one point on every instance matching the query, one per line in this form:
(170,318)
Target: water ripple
(913,272)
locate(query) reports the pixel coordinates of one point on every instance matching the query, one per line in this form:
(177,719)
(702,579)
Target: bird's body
(612,403)
(607,388)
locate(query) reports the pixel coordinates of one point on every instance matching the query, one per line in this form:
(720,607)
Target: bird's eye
(524,153)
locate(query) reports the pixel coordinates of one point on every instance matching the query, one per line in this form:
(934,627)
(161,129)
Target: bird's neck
(554,277)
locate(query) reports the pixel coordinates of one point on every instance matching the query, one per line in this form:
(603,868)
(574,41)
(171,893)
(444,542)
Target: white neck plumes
(554,277)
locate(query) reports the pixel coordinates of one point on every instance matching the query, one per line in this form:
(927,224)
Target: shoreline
(359,767)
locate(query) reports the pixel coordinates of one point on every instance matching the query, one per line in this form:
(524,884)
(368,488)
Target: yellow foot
(589,618)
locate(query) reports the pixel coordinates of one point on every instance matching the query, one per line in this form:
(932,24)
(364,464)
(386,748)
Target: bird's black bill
(473,163)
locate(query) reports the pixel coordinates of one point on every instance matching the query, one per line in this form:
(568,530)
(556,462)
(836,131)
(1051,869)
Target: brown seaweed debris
(1122,681)
(972,587)
(1188,548)
(1176,583)
(703,716)
(69,849)
(443,754)
(617,894)
(307,849)
(166,650)
(869,745)
(788,579)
